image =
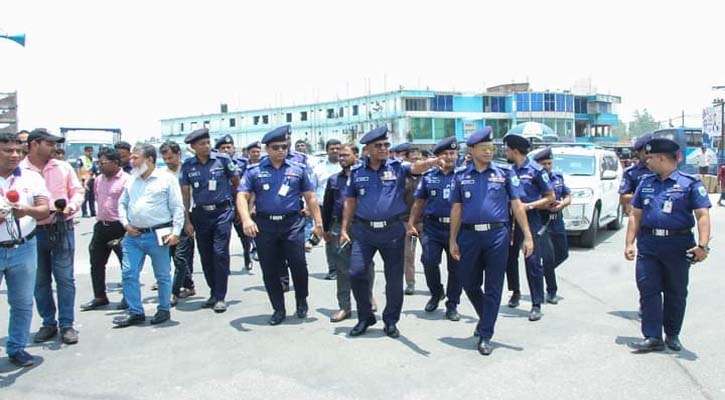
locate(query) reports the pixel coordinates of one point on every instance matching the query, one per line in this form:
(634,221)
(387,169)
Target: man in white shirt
(23,199)
(320,174)
(703,160)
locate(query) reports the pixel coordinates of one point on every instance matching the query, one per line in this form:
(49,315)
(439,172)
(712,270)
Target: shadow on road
(469,343)
(438,315)
(261,320)
(9,372)
(630,315)
(373,333)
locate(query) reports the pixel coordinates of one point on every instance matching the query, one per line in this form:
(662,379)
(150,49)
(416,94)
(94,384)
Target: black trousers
(103,232)
(183,255)
(89,203)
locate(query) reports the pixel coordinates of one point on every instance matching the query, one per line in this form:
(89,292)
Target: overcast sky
(127,65)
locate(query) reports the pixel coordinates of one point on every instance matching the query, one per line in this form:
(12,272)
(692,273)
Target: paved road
(576,351)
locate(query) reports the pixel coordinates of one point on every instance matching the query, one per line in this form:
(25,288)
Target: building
(418,116)
(9,112)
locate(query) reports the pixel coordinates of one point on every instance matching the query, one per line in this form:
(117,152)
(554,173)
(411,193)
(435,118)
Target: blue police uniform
(555,248)
(633,174)
(281,227)
(534,182)
(483,240)
(664,237)
(212,215)
(378,226)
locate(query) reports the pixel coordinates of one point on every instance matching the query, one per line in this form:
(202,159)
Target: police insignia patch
(545,177)
(515,181)
(265,186)
(432,192)
(196,184)
(702,191)
(467,195)
(362,191)
(232,166)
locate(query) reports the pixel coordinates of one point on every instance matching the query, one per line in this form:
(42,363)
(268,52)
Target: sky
(129,64)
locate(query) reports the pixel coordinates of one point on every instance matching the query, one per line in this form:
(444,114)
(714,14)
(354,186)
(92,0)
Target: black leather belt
(153,228)
(666,232)
(553,216)
(440,220)
(15,243)
(53,225)
(214,207)
(276,217)
(378,224)
(109,223)
(483,227)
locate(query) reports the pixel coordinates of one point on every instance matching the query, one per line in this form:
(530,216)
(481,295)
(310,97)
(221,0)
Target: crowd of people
(376,199)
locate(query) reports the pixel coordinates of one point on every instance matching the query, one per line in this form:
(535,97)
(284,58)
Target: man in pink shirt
(108,188)
(55,237)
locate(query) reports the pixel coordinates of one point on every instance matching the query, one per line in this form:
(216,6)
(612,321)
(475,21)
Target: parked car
(593,174)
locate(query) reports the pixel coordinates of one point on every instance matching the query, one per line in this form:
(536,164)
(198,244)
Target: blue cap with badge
(642,141)
(201,133)
(376,134)
(278,134)
(481,135)
(661,145)
(448,143)
(543,155)
(254,145)
(402,148)
(226,139)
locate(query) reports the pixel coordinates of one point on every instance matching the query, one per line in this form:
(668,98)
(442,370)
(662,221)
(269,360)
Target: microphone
(60,204)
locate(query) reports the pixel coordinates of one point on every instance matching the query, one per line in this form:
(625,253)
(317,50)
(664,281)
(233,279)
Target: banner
(711,121)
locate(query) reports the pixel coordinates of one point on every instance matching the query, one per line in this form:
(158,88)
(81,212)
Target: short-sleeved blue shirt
(534,180)
(632,177)
(380,193)
(219,168)
(435,187)
(485,196)
(685,192)
(560,188)
(277,190)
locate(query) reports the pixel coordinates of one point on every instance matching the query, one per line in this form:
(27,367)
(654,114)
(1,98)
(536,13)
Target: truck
(78,138)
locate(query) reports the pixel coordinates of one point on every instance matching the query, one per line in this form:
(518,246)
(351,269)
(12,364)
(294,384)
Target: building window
(442,103)
(415,105)
(303,115)
(288,117)
(549,102)
(537,102)
(265,119)
(498,104)
(522,102)
(341,112)
(193,126)
(569,103)
(580,105)
(181,127)
(421,128)
(354,110)
(330,113)
(560,103)
(206,124)
(443,128)
(499,126)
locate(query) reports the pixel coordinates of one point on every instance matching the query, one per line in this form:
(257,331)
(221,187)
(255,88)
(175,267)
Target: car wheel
(589,237)
(617,223)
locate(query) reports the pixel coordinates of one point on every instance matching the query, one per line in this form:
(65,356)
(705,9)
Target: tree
(619,130)
(642,122)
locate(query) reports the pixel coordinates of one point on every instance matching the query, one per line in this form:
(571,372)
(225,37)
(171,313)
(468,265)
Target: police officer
(482,197)
(254,156)
(278,185)
(225,144)
(210,178)
(662,222)
(374,199)
(432,198)
(634,173)
(537,194)
(555,247)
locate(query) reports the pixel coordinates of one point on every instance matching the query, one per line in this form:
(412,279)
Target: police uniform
(212,215)
(484,234)
(664,236)
(534,183)
(281,238)
(247,239)
(555,247)
(634,173)
(435,188)
(378,227)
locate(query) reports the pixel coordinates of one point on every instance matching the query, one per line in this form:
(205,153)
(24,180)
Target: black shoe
(45,333)
(648,344)
(432,304)
(160,317)
(248,266)
(409,289)
(392,331)
(452,314)
(277,318)
(220,307)
(93,304)
(302,309)
(514,300)
(551,298)
(535,313)
(122,305)
(69,335)
(285,287)
(129,319)
(22,358)
(331,276)
(209,303)
(485,347)
(362,326)
(155,286)
(673,343)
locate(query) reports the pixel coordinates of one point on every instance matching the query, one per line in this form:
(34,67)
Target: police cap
(375,135)
(448,143)
(226,139)
(543,155)
(278,134)
(201,133)
(661,145)
(481,135)
(642,141)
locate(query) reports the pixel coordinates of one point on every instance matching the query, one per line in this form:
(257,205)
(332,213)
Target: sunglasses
(278,147)
(381,145)
(486,147)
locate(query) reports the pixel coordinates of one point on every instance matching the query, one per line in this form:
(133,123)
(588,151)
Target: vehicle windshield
(569,164)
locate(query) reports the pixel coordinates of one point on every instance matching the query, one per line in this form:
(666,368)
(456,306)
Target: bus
(691,141)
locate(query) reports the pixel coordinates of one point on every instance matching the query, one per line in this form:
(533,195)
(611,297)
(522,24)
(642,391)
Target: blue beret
(202,133)
(254,145)
(226,139)
(277,135)
(515,141)
(543,155)
(448,143)
(641,141)
(375,135)
(661,145)
(483,135)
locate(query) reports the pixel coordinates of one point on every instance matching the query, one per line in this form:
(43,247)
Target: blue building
(418,116)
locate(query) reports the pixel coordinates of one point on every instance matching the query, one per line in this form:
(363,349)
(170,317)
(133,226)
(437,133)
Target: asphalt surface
(578,350)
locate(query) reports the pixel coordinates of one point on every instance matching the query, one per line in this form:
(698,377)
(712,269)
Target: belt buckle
(378,224)
(276,217)
(209,207)
(660,232)
(444,220)
(481,227)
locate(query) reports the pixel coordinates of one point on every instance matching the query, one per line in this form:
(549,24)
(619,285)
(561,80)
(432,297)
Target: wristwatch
(704,247)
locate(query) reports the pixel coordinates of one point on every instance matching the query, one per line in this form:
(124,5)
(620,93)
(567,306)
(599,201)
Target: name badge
(446,193)
(212,185)
(667,207)
(283,190)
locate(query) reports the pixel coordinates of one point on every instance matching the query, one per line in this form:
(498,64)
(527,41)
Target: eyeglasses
(381,145)
(278,147)
(485,147)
